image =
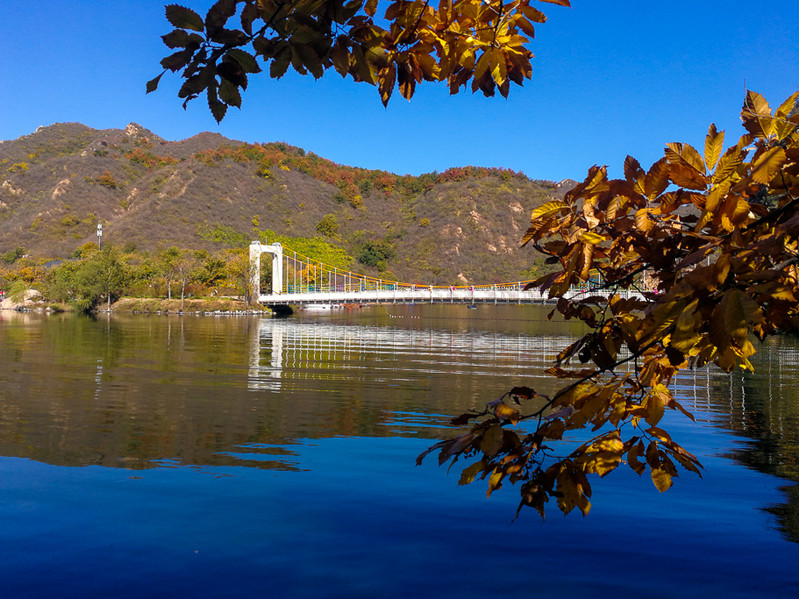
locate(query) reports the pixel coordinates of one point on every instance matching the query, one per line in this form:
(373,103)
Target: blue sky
(609,79)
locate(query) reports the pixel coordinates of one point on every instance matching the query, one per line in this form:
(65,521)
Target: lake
(221,456)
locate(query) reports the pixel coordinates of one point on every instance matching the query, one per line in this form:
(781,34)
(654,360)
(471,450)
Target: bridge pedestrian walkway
(298,280)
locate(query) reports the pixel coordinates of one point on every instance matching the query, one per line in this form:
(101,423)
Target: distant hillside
(462,225)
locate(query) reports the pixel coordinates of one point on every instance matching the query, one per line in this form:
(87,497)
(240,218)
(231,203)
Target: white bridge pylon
(299,280)
(257,249)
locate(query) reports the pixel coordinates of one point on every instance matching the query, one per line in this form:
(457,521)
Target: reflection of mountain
(127,392)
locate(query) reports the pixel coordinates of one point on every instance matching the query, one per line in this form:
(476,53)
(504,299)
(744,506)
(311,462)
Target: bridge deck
(435,295)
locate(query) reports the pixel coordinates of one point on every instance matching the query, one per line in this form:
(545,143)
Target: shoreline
(133,305)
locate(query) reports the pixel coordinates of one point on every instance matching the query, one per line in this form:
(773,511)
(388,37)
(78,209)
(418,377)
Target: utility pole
(99,235)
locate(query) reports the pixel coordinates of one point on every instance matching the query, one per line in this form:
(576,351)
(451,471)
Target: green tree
(238,271)
(187,269)
(328,226)
(376,254)
(101,275)
(60,282)
(12,256)
(167,261)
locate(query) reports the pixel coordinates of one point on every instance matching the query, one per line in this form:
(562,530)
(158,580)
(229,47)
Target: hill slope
(463,225)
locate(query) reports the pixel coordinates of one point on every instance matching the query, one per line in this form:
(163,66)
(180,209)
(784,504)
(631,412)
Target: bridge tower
(257,249)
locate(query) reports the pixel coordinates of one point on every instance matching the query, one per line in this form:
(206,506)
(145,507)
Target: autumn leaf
(711,268)
(714,143)
(662,479)
(767,165)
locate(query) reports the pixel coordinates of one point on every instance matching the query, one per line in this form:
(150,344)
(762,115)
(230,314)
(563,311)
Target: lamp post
(99,235)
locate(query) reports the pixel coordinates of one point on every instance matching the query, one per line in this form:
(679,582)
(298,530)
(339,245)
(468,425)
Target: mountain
(209,192)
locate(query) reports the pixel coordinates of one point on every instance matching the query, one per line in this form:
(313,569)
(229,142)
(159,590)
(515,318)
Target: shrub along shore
(135,305)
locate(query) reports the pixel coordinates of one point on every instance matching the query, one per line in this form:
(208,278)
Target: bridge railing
(311,281)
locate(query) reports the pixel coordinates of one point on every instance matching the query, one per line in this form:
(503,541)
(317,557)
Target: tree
(717,234)
(187,270)
(100,275)
(485,41)
(168,267)
(239,272)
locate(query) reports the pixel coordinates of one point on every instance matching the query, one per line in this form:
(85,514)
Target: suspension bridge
(301,281)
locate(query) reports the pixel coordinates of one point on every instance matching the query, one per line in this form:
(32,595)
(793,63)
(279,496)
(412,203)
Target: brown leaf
(492,440)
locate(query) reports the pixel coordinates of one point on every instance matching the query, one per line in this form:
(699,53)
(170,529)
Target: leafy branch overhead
(709,240)
(485,41)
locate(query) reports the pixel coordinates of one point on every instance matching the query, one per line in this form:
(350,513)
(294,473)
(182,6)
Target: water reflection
(284,352)
(763,406)
(139,392)
(135,391)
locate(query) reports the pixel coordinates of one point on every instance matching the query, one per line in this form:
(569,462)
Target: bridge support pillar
(257,249)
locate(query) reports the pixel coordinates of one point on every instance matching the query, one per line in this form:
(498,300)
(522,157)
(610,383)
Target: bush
(328,226)
(12,256)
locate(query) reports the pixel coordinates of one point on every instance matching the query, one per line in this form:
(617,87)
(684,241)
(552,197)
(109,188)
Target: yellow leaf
(642,220)
(482,65)
(549,209)
(686,335)
(654,408)
(786,107)
(767,165)
(592,238)
(499,69)
(728,164)
(657,179)
(525,25)
(533,14)
(662,479)
(504,412)
(678,153)
(756,115)
(468,474)
(714,144)
(495,481)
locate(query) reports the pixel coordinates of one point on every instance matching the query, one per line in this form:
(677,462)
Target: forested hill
(209,192)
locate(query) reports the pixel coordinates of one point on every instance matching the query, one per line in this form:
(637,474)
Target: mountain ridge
(210,192)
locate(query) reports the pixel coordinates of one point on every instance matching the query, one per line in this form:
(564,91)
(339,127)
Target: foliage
(315,249)
(328,226)
(148,159)
(352,182)
(106,179)
(222,234)
(485,41)
(238,271)
(376,253)
(717,234)
(16,292)
(85,283)
(12,256)
(167,266)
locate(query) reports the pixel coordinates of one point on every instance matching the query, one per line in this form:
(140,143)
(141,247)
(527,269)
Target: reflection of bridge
(298,280)
(289,351)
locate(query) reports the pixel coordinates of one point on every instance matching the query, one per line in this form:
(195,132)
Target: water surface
(249,457)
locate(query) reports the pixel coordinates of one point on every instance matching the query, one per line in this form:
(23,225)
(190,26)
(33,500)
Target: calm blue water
(241,458)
